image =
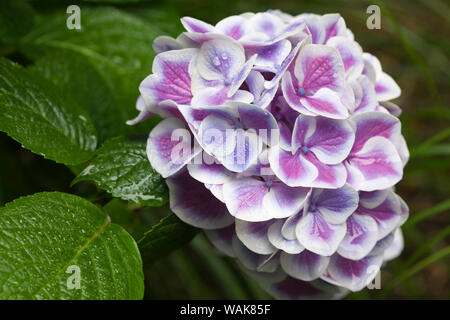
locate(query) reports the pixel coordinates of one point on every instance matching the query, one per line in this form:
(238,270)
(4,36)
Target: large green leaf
(122,168)
(45,237)
(43,119)
(117,45)
(89,89)
(164,237)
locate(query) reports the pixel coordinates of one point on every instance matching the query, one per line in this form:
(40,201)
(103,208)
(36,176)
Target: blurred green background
(413,46)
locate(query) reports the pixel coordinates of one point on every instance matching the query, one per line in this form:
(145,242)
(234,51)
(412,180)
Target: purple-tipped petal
(351,54)
(289,226)
(319,236)
(195,205)
(292,169)
(305,266)
(277,239)
(367,99)
(386,88)
(222,239)
(169,147)
(254,236)
(254,261)
(330,140)
(396,247)
(195,25)
(234,27)
(329,176)
(283,201)
(209,173)
(360,239)
(271,57)
(387,214)
(165,43)
(379,163)
(325,102)
(354,275)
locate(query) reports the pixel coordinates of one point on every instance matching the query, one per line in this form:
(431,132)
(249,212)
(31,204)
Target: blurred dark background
(413,46)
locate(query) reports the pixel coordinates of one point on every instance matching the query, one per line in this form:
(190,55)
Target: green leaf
(43,119)
(168,235)
(122,168)
(43,235)
(89,89)
(118,46)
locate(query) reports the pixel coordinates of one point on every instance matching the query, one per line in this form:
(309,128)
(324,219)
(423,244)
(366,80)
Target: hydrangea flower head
(279,140)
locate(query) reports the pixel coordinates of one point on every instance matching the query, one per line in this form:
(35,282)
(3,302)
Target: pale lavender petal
(373,199)
(220,59)
(144,113)
(248,146)
(392,108)
(288,229)
(240,77)
(360,239)
(334,26)
(234,27)
(272,56)
(290,93)
(254,236)
(195,205)
(305,266)
(165,43)
(319,236)
(396,247)
(286,64)
(244,199)
(169,147)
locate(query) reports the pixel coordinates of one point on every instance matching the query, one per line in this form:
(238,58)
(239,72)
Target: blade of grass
(428,143)
(443,206)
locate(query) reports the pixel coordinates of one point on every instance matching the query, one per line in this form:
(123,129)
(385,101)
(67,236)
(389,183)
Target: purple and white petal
(329,175)
(144,113)
(220,59)
(195,205)
(292,169)
(222,239)
(254,261)
(325,102)
(335,205)
(195,25)
(354,275)
(291,95)
(277,239)
(330,140)
(351,54)
(306,266)
(209,173)
(387,214)
(244,199)
(234,27)
(165,43)
(254,236)
(170,79)
(379,163)
(386,88)
(319,66)
(319,236)
(289,226)
(169,147)
(360,239)
(283,201)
